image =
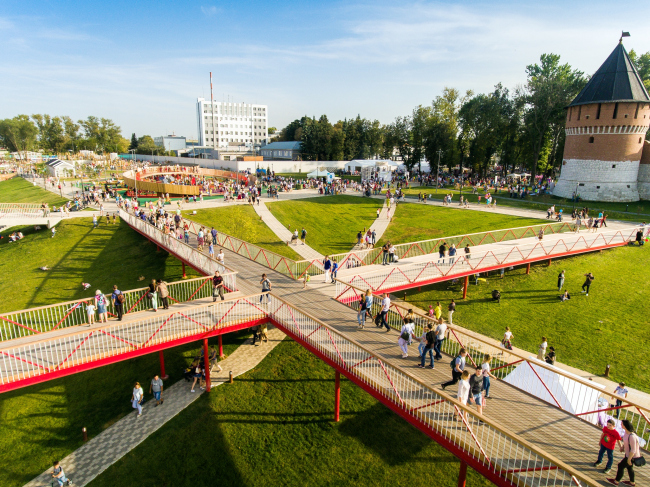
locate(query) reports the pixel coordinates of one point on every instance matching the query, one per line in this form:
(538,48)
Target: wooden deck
(572,440)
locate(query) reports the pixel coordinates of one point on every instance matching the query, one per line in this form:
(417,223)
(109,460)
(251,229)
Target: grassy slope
(332,222)
(274,427)
(607,327)
(110,254)
(419,222)
(18,190)
(613,210)
(42,423)
(242,222)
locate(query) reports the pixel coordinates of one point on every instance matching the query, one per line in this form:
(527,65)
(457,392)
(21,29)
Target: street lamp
(135,179)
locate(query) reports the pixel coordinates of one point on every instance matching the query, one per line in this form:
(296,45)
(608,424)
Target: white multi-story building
(227,124)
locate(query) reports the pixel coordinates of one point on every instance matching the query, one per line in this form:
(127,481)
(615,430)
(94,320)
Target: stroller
(496,296)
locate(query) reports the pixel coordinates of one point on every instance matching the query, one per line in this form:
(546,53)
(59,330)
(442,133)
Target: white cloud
(209,11)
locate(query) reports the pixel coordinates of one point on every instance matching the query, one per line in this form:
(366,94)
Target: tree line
(58,135)
(522,128)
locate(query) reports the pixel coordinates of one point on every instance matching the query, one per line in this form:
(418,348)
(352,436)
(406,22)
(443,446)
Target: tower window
(581,184)
(615,111)
(613,166)
(597,187)
(639,140)
(580,112)
(636,112)
(598,111)
(591,140)
(628,185)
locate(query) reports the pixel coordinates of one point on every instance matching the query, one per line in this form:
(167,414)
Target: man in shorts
(156,388)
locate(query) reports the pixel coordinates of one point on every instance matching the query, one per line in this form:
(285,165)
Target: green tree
(51,133)
(134,142)
(642,64)
(18,134)
(550,88)
(146,145)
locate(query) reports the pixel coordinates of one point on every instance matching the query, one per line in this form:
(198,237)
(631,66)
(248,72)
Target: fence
(183,189)
(72,313)
(493,451)
(421,273)
(570,392)
(24,210)
(85,348)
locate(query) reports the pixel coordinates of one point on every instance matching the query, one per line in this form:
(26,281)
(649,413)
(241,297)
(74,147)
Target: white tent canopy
(572,395)
(321,172)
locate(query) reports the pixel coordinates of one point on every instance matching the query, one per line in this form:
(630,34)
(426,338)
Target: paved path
(90,460)
(284,234)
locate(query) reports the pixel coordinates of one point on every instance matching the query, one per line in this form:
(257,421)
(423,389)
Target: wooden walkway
(572,440)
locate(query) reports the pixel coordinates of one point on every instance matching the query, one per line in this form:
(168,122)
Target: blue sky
(143,64)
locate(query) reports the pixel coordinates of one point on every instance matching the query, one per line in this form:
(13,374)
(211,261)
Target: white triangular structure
(572,395)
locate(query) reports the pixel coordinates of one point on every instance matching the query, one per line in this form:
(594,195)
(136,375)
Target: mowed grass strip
(18,190)
(108,255)
(610,326)
(274,426)
(242,222)
(413,222)
(43,423)
(332,222)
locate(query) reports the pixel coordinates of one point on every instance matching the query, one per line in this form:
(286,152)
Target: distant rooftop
(616,80)
(283,145)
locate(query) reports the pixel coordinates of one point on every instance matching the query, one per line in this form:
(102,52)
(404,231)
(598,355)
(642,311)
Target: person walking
(211,250)
(327,266)
(118,302)
(136,398)
(458,366)
(94,221)
(153,295)
(451,308)
(560,280)
(468,253)
(541,350)
(90,311)
(100,302)
(442,251)
(589,278)
(620,393)
(632,454)
(452,253)
(507,339)
(608,441)
(407,334)
(487,374)
(217,286)
(430,340)
(476,390)
(163,293)
(303,235)
(266,288)
(463,391)
(385,306)
(335,268)
(156,387)
(440,337)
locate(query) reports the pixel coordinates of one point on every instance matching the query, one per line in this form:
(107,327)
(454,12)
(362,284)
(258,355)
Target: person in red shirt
(607,444)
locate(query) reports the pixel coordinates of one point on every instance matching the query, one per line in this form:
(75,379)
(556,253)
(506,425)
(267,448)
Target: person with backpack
(476,389)
(430,340)
(457,367)
(118,302)
(59,475)
(407,333)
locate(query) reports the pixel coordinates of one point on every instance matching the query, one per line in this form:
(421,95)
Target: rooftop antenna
(623,34)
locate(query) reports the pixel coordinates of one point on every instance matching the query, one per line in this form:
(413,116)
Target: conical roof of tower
(616,80)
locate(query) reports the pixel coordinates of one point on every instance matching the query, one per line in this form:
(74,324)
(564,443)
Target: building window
(581,184)
(597,187)
(591,140)
(628,186)
(615,111)
(639,140)
(579,111)
(598,111)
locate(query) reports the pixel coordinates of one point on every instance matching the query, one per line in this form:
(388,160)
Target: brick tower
(605,132)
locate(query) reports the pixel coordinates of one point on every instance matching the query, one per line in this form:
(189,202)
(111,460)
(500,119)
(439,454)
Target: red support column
(220,347)
(163,376)
(337,395)
(462,474)
(527,268)
(184,276)
(465,287)
(549,261)
(206,360)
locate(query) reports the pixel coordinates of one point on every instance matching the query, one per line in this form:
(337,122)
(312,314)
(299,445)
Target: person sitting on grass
(565,297)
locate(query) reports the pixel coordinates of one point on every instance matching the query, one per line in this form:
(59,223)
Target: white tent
(572,395)
(321,172)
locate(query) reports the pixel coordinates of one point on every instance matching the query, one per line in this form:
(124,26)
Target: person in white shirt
(407,334)
(440,337)
(385,306)
(136,398)
(463,389)
(220,257)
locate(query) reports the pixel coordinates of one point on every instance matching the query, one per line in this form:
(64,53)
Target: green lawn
(636,211)
(332,222)
(413,223)
(19,190)
(242,222)
(274,426)
(607,327)
(110,254)
(43,423)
